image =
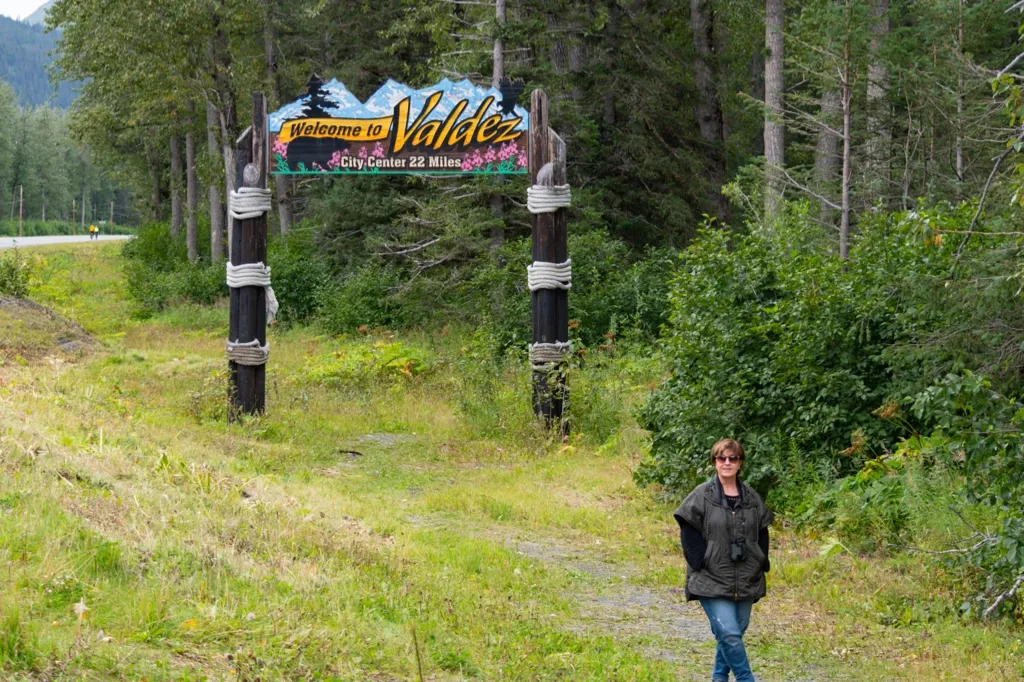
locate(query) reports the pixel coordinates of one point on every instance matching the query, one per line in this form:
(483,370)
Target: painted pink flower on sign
(335,160)
(490,155)
(363,153)
(521,160)
(378,151)
(466,165)
(508,150)
(281,148)
(318,167)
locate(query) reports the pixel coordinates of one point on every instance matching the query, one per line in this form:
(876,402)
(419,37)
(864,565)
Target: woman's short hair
(729,445)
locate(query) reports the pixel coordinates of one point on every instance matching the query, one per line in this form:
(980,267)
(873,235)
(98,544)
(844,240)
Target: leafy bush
(299,275)
(364,298)
(777,342)
(613,289)
(372,360)
(157,272)
(15,273)
(981,433)
(867,510)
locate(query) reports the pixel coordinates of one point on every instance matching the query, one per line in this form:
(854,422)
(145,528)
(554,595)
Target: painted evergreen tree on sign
(314,108)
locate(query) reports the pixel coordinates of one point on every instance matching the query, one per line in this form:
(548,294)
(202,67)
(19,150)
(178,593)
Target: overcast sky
(19,9)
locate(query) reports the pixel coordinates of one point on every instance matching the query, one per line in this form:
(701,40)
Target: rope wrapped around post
(249,202)
(251,354)
(254,275)
(547,198)
(545,356)
(542,275)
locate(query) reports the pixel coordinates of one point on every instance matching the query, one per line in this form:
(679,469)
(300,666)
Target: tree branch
(1003,597)
(981,205)
(808,190)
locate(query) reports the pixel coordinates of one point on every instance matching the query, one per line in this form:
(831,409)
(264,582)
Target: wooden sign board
(445,129)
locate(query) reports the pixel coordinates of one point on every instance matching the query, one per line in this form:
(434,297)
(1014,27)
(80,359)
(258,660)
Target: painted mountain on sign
(343,104)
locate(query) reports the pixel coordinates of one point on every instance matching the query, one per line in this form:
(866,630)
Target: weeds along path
(143,538)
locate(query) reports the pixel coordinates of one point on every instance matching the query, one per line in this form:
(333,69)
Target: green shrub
(15,273)
(364,298)
(199,283)
(613,289)
(157,272)
(299,275)
(866,511)
(372,360)
(777,342)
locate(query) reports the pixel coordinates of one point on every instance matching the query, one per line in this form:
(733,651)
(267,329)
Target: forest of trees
(818,219)
(868,104)
(45,175)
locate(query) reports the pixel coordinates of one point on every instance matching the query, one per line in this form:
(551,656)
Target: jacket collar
(717,494)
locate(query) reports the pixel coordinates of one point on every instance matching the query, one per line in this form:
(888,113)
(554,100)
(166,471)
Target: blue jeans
(729,620)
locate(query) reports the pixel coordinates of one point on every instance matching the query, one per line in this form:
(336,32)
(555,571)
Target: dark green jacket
(720,577)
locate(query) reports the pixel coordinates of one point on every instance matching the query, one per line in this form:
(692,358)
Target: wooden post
(249,245)
(550,244)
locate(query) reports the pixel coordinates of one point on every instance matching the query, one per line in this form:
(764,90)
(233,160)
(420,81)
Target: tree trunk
(191,196)
(153,162)
(826,152)
(879,134)
(282,183)
(176,212)
(844,225)
(757,64)
(709,109)
(610,61)
(774,128)
(960,103)
(496,200)
(214,192)
(498,52)
(227,115)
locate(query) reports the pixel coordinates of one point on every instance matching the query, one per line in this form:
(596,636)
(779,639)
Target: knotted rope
(543,355)
(249,202)
(543,275)
(254,275)
(547,198)
(250,354)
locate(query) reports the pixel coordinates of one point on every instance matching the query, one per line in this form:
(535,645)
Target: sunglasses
(728,458)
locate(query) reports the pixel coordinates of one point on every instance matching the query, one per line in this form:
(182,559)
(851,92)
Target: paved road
(22,242)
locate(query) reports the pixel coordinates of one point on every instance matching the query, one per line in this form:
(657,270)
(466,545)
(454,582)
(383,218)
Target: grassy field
(396,515)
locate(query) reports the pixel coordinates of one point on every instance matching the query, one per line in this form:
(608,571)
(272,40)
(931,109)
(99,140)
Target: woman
(724,533)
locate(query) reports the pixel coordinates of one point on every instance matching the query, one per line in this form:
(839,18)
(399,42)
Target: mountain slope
(24,54)
(37,17)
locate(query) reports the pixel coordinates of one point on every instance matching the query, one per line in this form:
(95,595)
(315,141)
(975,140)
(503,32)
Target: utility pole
(111,224)
(74,215)
(21,206)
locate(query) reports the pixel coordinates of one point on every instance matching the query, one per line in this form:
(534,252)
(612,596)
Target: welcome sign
(445,129)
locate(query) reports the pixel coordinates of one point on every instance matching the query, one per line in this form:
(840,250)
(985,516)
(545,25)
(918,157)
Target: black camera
(737,550)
